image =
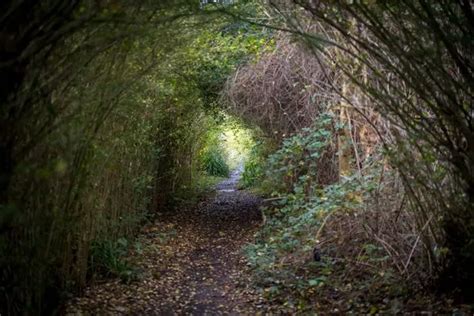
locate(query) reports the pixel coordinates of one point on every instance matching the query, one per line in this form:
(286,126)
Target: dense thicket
(396,78)
(106,107)
(416,68)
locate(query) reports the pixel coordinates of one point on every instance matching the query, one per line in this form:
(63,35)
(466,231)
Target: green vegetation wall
(396,79)
(101,127)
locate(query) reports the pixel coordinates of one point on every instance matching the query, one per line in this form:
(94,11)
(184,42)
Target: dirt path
(191,263)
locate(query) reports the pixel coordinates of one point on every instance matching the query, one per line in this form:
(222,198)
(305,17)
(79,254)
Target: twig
(416,243)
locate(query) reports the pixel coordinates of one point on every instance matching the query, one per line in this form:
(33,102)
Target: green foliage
(254,166)
(214,162)
(103,128)
(227,146)
(280,257)
(108,258)
(236,141)
(427,94)
(201,187)
(296,166)
(214,55)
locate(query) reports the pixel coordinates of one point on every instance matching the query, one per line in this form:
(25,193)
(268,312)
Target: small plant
(214,162)
(107,258)
(253,167)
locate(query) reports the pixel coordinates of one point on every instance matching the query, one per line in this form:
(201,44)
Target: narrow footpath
(191,263)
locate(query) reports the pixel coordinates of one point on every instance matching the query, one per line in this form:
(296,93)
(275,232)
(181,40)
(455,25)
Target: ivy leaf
(317,281)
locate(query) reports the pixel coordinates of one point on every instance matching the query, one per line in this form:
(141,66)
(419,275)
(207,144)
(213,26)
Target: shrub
(214,162)
(359,225)
(107,258)
(424,89)
(306,160)
(254,166)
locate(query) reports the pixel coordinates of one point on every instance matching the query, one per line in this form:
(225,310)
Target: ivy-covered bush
(286,257)
(283,258)
(306,160)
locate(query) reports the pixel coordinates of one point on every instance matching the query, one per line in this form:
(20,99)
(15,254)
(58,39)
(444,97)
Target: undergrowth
(283,257)
(345,245)
(214,162)
(108,259)
(190,195)
(253,167)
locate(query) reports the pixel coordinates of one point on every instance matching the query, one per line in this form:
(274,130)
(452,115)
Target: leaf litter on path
(191,263)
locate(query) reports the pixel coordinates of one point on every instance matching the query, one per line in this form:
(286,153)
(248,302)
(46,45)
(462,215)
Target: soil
(191,263)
